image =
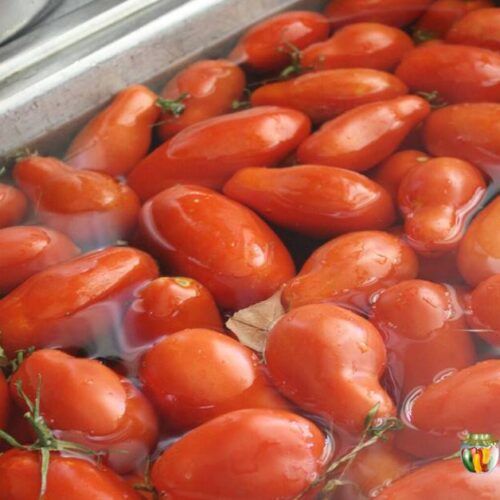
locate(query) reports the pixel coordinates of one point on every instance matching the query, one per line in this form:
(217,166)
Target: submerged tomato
(209,152)
(72,303)
(313,200)
(266,47)
(197,232)
(252,454)
(364,136)
(92,208)
(13,205)
(119,136)
(361,45)
(207,88)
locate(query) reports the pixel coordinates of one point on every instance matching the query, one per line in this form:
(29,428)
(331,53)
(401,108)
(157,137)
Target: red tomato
(361,45)
(111,414)
(313,200)
(198,374)
(13,205)
(393,12)
(437,198)
(328,361)
(265,47)
(197,232)
(250,454)
(442,480)
(442,15)
(480,28)
(424,331)
(468,131)
(209,152)
(4,402)
(322,95)
(90,207)
(479,251)
(70,304)
(441,269)
(364,136)
(393,170)
(167,305)
(209,89)
(351,269)
(68,478)
(117,138)
(458,73)
(27,250)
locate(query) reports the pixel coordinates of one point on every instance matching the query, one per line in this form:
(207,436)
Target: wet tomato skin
(479,28)
(379,128)
(70,303)
(13,205)
(4,402)
(167,305)
(92,208)
(209,152)
(197,232)
(211,87)
(360,45)
(314,200)
(350,269)
(246,454)
(118,137)
(310,354)
(265,47)
(197,374)
(69,478)
(322,95)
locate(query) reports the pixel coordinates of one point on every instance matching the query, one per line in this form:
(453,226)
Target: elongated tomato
(13,205)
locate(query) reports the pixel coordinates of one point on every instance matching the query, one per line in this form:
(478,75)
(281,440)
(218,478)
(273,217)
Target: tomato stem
(147,485)
(173,106)
(434,99)
(422,36)
(295,67)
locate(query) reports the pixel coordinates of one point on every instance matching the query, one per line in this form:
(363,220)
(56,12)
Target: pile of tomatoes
(335,180)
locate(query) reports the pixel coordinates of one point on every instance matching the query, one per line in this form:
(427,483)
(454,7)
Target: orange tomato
(13,205)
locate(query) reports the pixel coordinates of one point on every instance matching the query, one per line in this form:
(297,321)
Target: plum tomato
(167,305)
(4,402)
(72,303)
(197,232)
(364,136)
(13,205)
(255,454)
(209,152)
(313,200)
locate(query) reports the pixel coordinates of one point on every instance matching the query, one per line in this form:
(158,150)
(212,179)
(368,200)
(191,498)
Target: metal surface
(45,95)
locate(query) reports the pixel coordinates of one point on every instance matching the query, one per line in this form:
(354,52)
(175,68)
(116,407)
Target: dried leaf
(252,324)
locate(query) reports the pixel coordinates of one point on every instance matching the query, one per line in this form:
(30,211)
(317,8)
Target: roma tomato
(13,205)
(209,152)
(322,95)
(393,12)
(197,232)
(313,200)
(4,402)
(458,73)
(361,45)
(266,47)
(436,198)
(442,15)
(364,136)
(111,415)
(328,361)
(90,207)
(117,138)
(468,131)
(68,478)
(392,171)
(252,454)
(72,303)
(197,374)
(479,251)
(29,249)
(207,89)
(351,269)
(424,331)
(442,480)
(167,305)
(480,28)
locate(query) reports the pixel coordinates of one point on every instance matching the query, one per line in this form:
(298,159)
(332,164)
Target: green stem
(173,106)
